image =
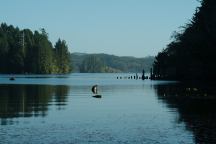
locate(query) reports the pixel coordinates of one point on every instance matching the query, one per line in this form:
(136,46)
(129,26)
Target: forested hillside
(109,63)
(24,51)
(191,55)
(27,52)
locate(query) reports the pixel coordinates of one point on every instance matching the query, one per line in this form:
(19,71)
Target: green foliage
(92,64)
(113,63)
(191,55)
(62,57)
(22,51)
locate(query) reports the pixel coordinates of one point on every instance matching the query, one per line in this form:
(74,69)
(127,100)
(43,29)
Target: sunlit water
(43,109)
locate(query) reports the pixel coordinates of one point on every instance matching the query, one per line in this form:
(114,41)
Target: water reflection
(196,107)
(29,100)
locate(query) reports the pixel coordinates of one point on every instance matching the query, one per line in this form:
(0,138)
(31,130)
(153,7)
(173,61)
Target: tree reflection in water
(196,107)
(29,100)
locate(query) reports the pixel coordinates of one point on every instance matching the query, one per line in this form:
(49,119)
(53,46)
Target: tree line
(110,63)
(191,54)
(24,51)
(92,64)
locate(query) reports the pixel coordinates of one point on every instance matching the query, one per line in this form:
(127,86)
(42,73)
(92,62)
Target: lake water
(47,109)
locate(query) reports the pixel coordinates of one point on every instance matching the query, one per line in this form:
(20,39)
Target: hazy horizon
(112,54)
(137,28)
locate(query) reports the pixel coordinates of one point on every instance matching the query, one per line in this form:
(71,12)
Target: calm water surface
(43,109)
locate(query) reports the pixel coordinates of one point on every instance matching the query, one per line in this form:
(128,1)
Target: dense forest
(191,54)
(27,52)
(24,51)
(109,63)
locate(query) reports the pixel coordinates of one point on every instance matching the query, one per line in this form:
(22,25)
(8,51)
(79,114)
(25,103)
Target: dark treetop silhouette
(191,55)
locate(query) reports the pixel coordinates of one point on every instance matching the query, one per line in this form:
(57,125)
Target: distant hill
(112,63)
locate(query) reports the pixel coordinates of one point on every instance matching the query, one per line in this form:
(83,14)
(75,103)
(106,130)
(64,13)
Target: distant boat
(12,78)
(97,96)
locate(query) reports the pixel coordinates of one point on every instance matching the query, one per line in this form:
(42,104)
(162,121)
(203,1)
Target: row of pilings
(136,76)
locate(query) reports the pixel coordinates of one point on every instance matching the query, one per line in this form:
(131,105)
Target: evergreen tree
(191,55)
(22,51)
(4,48)
(63,61)
(44,52)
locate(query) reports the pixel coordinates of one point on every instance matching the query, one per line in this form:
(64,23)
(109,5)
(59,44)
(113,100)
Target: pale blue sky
(120,27)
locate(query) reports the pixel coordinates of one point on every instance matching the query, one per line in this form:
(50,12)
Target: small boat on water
(12,78)
(97,96)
